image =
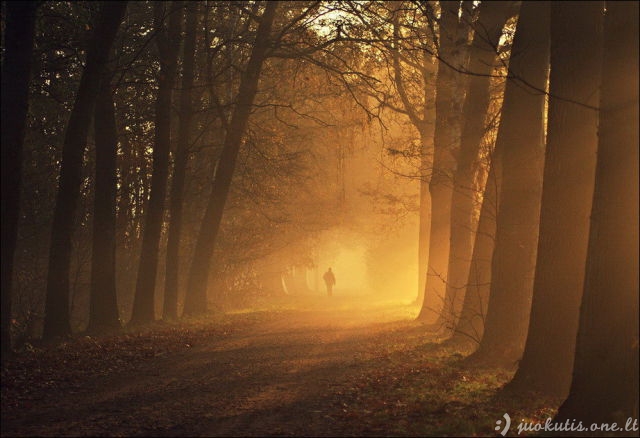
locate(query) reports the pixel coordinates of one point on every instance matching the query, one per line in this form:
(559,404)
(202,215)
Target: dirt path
(273,373)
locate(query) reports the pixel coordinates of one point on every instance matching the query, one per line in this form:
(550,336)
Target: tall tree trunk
(470,326)
(492,17)
(168,42)
(576,40)
(196,299)
(103,308)
(422,121)
(170,309)
(56,322)
(440,186)
(424,219)
(16,72)
(426,130)
(605,373)
(520,141)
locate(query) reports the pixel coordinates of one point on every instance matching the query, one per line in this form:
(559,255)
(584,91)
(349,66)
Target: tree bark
(470,326)
(196,299)
(16,72)
(520,189)
(440,184)
(422,121)
(492,17)
(170,309)
(168,42)
(576,41)
(424,219)
(103,308)
(605,373)
(56,322)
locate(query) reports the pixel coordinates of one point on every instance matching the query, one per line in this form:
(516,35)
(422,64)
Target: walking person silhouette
(330,281)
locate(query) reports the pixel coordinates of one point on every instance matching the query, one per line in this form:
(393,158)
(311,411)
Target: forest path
(324,367)
(305,366)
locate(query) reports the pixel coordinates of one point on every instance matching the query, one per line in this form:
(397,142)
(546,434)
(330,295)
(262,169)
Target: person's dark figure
(329,280)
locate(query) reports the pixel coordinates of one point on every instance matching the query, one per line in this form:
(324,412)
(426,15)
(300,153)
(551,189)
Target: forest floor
(309,366)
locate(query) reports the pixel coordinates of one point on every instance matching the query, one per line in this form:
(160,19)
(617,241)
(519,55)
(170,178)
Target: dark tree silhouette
(56,323)
(103,308)
(196,299)
(168,43)
(488,30)
(170,307)
(605,373)
(16,71)
(576,41)
(520,188)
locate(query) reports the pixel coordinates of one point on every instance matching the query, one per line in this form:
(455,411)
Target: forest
(320,218)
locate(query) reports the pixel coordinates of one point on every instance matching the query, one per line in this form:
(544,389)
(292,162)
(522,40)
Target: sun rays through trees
(461,174)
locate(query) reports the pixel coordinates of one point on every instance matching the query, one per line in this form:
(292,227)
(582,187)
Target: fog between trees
(477,160)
